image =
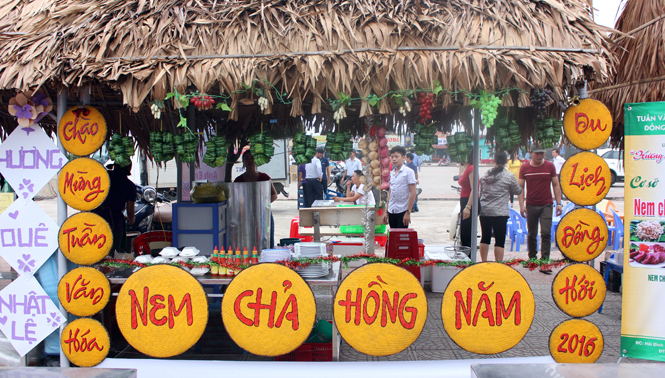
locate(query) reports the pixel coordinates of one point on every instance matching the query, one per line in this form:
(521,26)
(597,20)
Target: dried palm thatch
(640,74)
(310,50)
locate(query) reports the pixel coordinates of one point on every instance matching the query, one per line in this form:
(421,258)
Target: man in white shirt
(313,176)
(402,191)
(352,165)
(558,160)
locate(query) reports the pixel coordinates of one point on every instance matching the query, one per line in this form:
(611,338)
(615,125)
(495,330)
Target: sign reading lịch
(587,124)
(642,325)
(585,178)
(85,342)
(82,130)
(487,308)
(162,310)
(578,290)
(380,309)
(84,291)
(268,310)
(85,238)
(576,341)
(582,235)
(84,184)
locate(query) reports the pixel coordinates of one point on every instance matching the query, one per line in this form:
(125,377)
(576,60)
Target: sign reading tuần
(268,310)
(576,341)
(85,238)
(582,235)
(587,124)
(84,184)
(380,309)
(82,130)
(578,290)
(585,178)
(84,291)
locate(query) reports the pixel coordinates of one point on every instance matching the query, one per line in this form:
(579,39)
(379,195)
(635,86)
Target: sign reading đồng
(85,238)
(82,130)
(84,291)
(380,309)
(587,124)
(268,310)
(578,290)
(84,184)
(582,235)
(585,178)
(576,341)
(487,308)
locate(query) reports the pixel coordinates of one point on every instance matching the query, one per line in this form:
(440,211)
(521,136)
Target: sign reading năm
(380,309)
(576,341)
(85,238)
(578,290)
(268,310)
(582,235)
(588,124)
(83,184)
(85,342)
(487,308)
(84,291)
(162,310)
(585,178)
(82,130)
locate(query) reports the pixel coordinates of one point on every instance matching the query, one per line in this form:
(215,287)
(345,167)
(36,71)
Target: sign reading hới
(578,290)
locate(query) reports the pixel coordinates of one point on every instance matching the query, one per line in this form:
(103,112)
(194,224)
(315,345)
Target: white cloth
(399,189)
(353,165)
(313,169)
(558,163)
(366,199)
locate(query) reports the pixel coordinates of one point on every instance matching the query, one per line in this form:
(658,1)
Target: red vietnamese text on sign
(257,306)
(586,180)
(582,124)
(145,312)
(502,312)
(81,127)
(86,238)
(80,343)
(578,234)
(83,291)
(575,290)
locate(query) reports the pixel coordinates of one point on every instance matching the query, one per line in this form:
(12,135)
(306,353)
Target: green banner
(643,347)
(646,118)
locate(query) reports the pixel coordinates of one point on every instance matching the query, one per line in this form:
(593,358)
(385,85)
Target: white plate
(200,259)
(180,259)
(143,259)
(189,252)
(169,252)
(161,260)
(199,271)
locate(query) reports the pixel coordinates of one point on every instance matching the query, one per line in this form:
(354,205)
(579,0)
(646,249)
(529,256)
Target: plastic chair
(148,241)
(611,205)
(610,229)
(330,194)
(568,208)
(618,230)
(301,198)
(295,231)
(518,230)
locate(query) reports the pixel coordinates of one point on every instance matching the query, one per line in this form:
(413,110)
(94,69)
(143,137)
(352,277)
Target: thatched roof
(640,73)
(309,49)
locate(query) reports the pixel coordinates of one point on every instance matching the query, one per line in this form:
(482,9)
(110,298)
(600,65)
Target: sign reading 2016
(268,310)
(380,309)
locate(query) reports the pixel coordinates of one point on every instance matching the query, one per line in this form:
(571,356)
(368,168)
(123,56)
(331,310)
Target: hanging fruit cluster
(121,149)
(406,108)
(156,109)
(216,150)
(339,145)
(426,101)
(262,148)
(539,100)
(186,145)
(379,160)
(548,132)
(460,146)
(489,105)
(263,103)
(202,102)
(424,138)
(507,134)
(340,114)
(162,146)
(304,148)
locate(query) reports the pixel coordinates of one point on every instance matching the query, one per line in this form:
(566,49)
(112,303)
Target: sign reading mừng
(85,238)
(84,291)
(578,290)
(587,124)
(582,235)
(83,184)
(585,178)
(82,130)
(268,310)
(487,308)
(380,309)
(576,341)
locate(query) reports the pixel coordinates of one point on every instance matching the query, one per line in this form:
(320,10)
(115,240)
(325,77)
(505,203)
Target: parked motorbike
(337,174)
(145,217)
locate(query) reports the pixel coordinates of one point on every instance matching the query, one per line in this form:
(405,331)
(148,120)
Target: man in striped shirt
(402,191)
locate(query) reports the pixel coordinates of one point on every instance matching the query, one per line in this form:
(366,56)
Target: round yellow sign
(85,238)
(82,130)
(162,310)
(585,178)
(582,235)
(85,342)
(576,341)
(84,291)
(587,124)
(380,309)
(268,310)
(487,308)
(83,184)
(578,290)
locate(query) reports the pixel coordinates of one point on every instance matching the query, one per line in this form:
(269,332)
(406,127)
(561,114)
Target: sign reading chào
(162,310)
(85,238)
(82,130)
(576,341)
(578,290)
(585,178)
(582,235)
(380,309)
(83,184)
(587,124)
(85,342)
(268,310)
(487,308)
(84,291)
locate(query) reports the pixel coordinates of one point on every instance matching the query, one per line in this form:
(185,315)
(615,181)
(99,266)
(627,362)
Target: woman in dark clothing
(466,201)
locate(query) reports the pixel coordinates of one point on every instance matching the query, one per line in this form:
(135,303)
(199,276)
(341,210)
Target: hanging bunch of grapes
(426,101)
(539,100)
(489,105)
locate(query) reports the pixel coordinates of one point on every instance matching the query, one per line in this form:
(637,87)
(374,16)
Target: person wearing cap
(314,175)
(540,177)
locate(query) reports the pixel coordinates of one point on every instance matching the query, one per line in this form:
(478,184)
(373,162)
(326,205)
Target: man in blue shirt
(325,168)
(416,160)
(411,164)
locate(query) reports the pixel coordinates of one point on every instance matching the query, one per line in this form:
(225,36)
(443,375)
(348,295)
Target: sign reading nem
(82,130)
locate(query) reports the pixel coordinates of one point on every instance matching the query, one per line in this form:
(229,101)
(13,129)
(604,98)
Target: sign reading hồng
(82,130)
(84,184)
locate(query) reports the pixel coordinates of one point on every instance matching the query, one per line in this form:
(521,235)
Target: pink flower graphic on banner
(26,263)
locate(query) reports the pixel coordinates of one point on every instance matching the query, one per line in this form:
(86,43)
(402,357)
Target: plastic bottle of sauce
(229,260)
(221,258)
(245,256)
(214,269)
(237,261)
(255,257)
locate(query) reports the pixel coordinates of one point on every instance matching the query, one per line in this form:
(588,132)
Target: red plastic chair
(148,241)
(403,244)
(295,231)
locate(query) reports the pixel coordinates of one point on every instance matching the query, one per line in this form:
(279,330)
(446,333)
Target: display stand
(200,225)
